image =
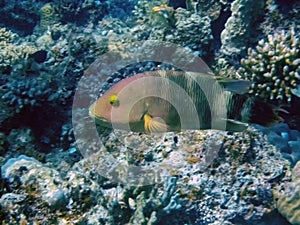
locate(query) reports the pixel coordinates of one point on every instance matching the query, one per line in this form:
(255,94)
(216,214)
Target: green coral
(274,66)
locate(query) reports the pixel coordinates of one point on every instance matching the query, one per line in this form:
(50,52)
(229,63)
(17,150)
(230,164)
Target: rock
(289,198)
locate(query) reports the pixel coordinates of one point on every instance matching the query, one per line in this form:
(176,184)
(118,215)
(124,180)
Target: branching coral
(274,66)
(9,51)
(32,92)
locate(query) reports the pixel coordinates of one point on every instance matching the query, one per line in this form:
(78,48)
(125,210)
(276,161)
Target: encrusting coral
(274,66)
(239,27)
(288,200)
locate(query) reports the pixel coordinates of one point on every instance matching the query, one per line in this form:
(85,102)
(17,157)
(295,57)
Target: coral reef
(26,93)
(203,169)
(195,177)
(20,17)
(280,15)
(22,141)
(34,82)
(11,51)
(80,11)
(288,198)
(48,17)
(143,11)
(274,66)
(40,185)
(232,171)
(285,139)
(192,25)
(240,27)
(174,25)
(213,9)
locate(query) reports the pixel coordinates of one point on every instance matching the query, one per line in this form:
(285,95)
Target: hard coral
(10,51)
(192,25)
(143,10)
(48,16)
(20,16)
(213,8)
(239,28)
(179,26)
(26,93)
(288,200)
(274,66)
(80,11)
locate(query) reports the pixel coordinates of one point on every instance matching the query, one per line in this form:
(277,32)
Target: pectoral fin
(154,125)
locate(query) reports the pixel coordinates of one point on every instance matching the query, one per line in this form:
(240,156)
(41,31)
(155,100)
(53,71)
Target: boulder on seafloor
(29,176)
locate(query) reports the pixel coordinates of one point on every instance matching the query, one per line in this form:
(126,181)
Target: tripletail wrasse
(162,101)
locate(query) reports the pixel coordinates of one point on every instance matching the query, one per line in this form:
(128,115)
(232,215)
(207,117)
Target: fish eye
(114,101)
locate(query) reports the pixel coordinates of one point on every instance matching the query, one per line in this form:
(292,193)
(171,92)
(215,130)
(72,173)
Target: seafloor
(58,168)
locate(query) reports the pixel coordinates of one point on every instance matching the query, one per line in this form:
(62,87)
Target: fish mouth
(97,118)
(101,121)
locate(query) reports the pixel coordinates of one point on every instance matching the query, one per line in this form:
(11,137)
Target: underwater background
(46,47)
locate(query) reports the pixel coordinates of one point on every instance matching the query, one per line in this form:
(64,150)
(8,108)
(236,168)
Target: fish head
(118,106)
(100,110)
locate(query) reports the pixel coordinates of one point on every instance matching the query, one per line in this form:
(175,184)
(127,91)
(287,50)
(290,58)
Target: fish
(167,100)
(162,8)
(166,12)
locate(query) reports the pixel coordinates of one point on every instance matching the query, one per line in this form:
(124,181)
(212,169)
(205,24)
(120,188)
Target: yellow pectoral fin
(154,125)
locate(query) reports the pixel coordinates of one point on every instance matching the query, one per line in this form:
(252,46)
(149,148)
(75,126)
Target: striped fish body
(160,101)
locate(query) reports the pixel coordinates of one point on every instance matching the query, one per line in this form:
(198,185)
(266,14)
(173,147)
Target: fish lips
(98,118)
